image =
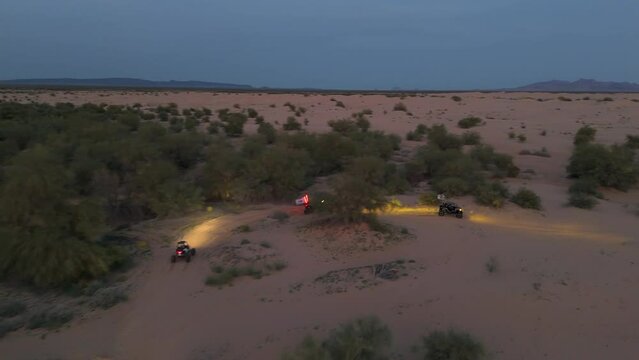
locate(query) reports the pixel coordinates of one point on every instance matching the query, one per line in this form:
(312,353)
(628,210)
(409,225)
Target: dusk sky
(357,44)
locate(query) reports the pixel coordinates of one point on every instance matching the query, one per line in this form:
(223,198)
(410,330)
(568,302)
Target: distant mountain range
(124,83)
(581,85)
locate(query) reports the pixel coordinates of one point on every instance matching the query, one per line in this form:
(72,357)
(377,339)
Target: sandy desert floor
(566,287)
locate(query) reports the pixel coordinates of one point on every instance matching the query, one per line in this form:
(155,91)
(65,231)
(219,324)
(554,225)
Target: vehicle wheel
(193,252)
(441,213)
(172,258)
(460,215)
(188,258)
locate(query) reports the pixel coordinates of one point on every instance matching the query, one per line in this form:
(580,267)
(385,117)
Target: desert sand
(566,288)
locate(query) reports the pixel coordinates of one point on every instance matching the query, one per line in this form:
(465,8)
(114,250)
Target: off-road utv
(183,250)
(449,208)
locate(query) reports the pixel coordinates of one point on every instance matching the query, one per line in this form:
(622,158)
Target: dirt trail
(163,309)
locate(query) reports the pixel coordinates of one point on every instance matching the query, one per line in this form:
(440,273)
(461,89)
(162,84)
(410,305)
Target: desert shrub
(452,186)
(259,120)
(421,129)
(190,123)
(563,98)
(225,276)
(147,116)
(491,194)
(413,136)
(268,131)
(471,138)
(521,137)
(501,165)
(278,265)
(586,186)
(511,135)
(291,124)
(108,297)
(581,200)
(279,215)
(429,198)
(233,124)
(456,98)
(340,104)
(214,127)
(243,228)
(543,133)
(527,199)
(585,135)
(612,166)
(245,242)
(308,349)
(343,126)
(439,136)
(363,124)
(469,122)
(265,244)
(11,308)
(632,141)
(9,325)
(252,113)
(253,146)
(50,319)
(492,265)
(452,345)
(400,107)
(363,339)
(352,197)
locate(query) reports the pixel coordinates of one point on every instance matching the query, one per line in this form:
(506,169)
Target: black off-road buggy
(449,208)
(183,251)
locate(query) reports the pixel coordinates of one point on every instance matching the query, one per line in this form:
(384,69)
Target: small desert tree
(353,197)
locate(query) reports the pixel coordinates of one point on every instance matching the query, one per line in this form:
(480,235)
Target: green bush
(452,345)
(268,131)
(10,325)
(252,113)
(108,297)
(585,135)
(471,138)
(225,276)
(413,136)
(11,308)
(612,166)
(233,124)
(400,107)
(291,124)
(585,185)
(452,186)
(363,339)
(352,196)
(581,200)
(469,122)
(52,318)
(491,194)
(527,199)
(308,349)
(632,141)
(429,198)
(363,124)
(492,265)
(439,136)
(343,126)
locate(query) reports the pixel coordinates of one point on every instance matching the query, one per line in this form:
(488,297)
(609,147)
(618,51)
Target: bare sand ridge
(566,288)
